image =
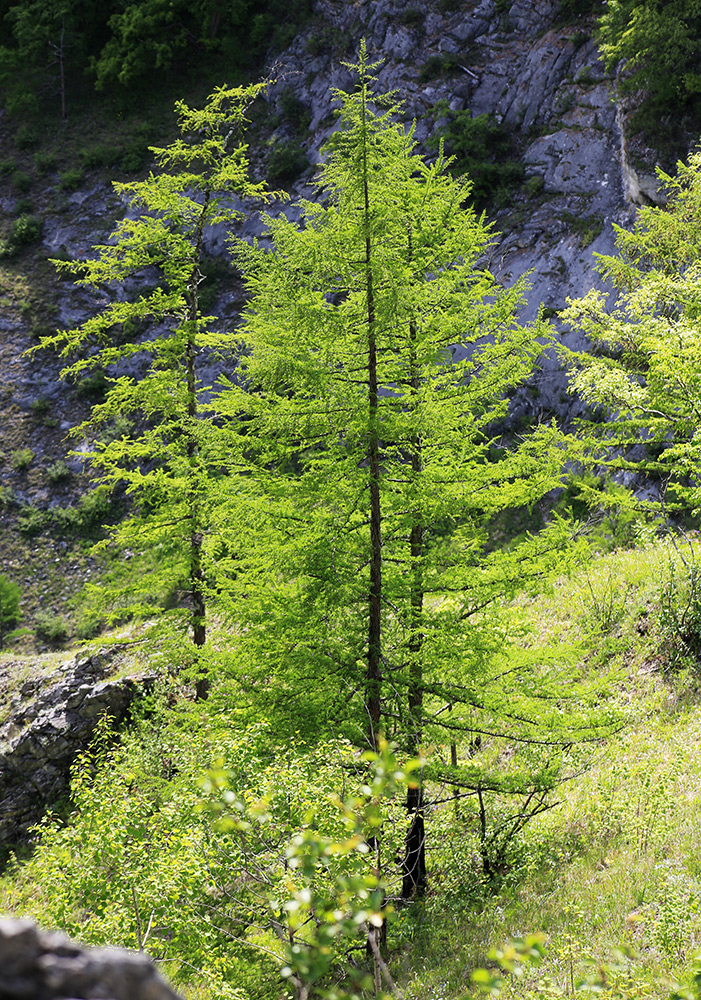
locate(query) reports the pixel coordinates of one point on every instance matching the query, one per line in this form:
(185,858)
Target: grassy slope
(617,862)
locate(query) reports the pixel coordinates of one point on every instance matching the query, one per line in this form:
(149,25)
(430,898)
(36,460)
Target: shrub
(294,111)
(9,604)
(328,39)
(21,182)
(7,496)
(40,406)
(44,163)
(7,167)
(679,620)
(70,180)
(99,155)
(89,624)
(31,521)
(93,387)
(287,161)
(134,155)
(58,472)
(50,628)
(86,518)
(534,186)
(21,459)
(25,229)
(483,149)
(26,137)
(438,66)
(412,17)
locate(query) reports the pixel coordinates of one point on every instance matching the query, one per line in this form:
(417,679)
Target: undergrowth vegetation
(195,835)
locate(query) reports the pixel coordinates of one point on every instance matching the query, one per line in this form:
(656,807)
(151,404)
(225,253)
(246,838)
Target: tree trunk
(374,671)
(197,598)
(414,864)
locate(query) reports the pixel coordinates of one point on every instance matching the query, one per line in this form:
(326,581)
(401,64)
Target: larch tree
(645,371)
(381,456)
(165,459)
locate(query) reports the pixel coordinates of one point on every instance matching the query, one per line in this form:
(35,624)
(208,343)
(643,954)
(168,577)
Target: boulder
(41,736)
(35,965)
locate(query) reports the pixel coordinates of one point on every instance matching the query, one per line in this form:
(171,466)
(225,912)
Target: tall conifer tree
(164,461)
(382,460)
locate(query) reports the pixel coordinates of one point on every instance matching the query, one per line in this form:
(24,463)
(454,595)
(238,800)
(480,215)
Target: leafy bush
(413,17)
(31,521)
(287,161)
(146,827)
(70,180)
(679,619)
(9,604)
(21,182)
(134,154)
(45,162)
(483,149)
(534,186)
(99,155)
(50,628)
(21,459)
(40,406)
(58,472)
(89,624)
(26,137)
(93,387)
(7,167)
(439,66)
(85,518)
(25,229)
(327,39)
(294,111)
(7,496)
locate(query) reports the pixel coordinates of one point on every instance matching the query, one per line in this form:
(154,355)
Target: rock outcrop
(35,965)
(538,75)
(44,731)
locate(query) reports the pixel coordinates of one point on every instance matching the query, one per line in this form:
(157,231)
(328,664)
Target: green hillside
(422,713)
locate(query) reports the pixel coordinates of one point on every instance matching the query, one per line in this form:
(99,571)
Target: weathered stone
(39,966)
(39,742)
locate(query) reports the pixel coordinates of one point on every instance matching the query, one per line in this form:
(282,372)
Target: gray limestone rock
(35,965)
(40,738)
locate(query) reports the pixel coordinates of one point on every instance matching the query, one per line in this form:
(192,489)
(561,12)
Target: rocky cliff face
(46,725)
(539,78)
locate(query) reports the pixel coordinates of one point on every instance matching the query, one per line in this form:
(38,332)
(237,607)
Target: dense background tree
(121,45)
(658,44)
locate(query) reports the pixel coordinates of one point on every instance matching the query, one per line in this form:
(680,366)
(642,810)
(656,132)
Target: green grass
(616,864)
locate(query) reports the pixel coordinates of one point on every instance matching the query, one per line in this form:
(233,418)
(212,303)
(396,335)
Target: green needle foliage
(646,372)
(166,456)
(379,604)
